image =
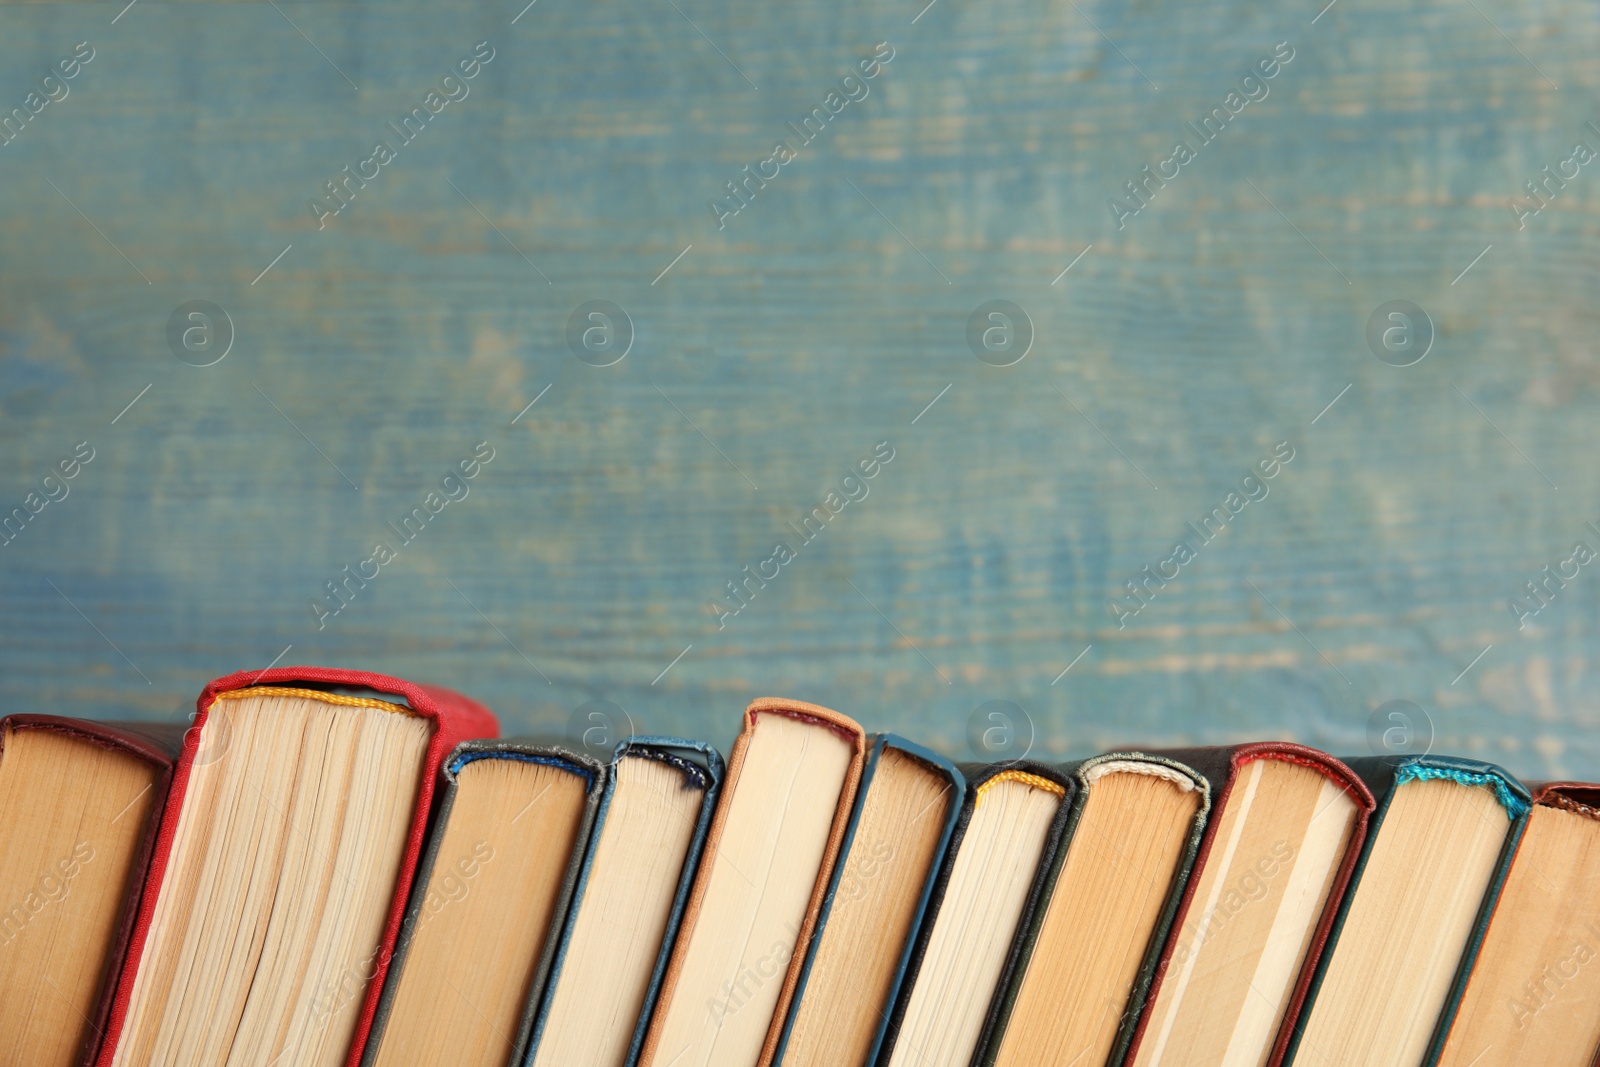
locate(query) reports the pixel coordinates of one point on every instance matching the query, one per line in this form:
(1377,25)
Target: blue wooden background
(778,351)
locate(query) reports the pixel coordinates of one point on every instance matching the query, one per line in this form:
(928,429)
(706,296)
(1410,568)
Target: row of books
(337,867)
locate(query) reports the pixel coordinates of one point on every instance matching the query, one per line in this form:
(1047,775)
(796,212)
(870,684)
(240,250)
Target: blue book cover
(954,798)
(1384,775)
(702,767)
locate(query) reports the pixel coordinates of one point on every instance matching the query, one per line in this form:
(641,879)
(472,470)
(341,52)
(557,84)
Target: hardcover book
(282,868)
(80,803)
(1012,821)
(644,851)
(1087,959)
(1280,845)
(904,815)
(770,851)
(1534,993)
(492,890)
(1406,934)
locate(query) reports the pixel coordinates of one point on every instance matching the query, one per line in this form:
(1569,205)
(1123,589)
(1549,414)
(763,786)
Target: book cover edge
(455,716)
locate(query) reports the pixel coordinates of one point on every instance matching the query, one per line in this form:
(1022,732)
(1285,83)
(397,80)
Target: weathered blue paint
(820,321)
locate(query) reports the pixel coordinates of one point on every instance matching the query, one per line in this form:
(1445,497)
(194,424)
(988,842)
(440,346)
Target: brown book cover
(855,738)
(1531,996)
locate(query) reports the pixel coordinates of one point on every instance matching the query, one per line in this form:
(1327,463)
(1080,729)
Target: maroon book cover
(157,744)
(1221,765)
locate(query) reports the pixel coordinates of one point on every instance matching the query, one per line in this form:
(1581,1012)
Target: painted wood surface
(1173,349)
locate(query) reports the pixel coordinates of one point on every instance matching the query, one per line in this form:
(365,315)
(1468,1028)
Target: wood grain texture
(821,320)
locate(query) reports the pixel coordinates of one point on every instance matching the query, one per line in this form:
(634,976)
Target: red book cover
(1221,765)
(456,718)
